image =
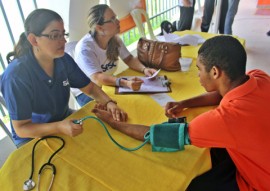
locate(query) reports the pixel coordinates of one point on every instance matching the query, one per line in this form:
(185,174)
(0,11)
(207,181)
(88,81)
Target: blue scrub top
(31,94)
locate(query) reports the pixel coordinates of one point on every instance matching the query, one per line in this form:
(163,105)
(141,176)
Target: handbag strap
(163,50)
(151,52)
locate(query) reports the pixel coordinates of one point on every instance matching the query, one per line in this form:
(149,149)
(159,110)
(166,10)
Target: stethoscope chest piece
(29,185)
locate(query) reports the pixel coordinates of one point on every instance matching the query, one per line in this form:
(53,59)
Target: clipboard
(159,85)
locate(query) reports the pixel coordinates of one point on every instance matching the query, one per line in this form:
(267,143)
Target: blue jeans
(232,10)
(83,99)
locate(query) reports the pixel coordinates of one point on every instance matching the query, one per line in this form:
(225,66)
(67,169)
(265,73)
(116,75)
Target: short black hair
(226,53)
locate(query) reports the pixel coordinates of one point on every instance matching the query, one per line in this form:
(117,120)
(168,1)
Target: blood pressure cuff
(169,137)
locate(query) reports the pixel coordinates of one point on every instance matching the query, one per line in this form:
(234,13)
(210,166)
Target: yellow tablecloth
(91,161)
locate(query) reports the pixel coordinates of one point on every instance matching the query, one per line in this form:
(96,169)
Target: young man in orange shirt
(237,130)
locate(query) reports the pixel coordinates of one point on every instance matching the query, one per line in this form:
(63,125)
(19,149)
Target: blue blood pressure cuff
(169,137)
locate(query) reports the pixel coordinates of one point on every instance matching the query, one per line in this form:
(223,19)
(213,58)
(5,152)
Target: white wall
(78,17)
(123,7)
(73,12)
(59,6)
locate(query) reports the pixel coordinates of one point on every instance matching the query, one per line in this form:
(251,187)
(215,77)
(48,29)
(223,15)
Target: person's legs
(83,99)
(186,17)
(222,176)
(223,13)
(207,15)
(232,10)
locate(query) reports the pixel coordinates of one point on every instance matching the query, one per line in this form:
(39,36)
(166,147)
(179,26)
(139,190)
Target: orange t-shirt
(241,124)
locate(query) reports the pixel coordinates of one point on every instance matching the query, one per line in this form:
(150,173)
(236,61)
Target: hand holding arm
(132,130)
(101,97)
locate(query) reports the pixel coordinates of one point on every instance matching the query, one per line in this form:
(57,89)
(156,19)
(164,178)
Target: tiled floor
(253,28)
(247,25)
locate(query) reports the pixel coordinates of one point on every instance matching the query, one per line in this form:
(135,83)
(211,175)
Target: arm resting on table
(166,137)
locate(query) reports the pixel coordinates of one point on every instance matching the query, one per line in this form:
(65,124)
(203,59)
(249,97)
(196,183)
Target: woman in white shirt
(98,51)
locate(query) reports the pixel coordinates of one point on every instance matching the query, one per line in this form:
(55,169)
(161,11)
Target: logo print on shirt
(66,82)
(108,66)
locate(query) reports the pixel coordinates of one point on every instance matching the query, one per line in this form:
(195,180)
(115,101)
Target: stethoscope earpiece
(29,185)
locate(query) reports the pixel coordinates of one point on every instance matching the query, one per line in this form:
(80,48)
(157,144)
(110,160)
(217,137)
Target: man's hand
(173,109)
(103,115)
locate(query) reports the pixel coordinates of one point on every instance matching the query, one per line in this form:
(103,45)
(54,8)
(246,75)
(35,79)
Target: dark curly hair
(226,53)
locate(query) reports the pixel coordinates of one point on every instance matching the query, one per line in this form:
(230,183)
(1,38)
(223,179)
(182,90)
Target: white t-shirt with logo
(93,59)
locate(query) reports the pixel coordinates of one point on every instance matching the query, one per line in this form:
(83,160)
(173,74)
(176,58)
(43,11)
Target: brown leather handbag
(159,55)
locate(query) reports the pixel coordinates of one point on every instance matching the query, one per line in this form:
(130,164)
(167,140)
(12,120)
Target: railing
(158,10)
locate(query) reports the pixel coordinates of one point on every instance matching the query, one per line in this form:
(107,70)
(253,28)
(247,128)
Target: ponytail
(35,23)
(113,49)
(22,47)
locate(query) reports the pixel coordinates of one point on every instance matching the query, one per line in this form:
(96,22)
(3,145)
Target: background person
(98,52)
(232,10)
(186,15)
(228,11)
(36,84)
(237,130)
(208,11)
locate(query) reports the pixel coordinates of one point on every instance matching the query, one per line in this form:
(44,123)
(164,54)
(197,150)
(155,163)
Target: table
(91,161)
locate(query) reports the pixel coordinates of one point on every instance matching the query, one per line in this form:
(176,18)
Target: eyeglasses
(55,35)
(112,20)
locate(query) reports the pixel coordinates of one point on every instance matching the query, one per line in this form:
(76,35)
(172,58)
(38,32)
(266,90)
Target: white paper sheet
(156,85)
(162,99)
(189,39)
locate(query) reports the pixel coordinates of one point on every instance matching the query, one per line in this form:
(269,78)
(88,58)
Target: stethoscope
(30,184)
(146,136)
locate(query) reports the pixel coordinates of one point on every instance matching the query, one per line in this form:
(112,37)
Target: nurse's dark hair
(226,53)
(35,23)
(96,17)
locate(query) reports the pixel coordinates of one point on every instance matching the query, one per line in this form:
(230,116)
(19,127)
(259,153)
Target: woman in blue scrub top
(36,84)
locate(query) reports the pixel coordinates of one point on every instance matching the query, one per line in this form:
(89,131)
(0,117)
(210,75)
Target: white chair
(3,123)
(137,15)
(70,49)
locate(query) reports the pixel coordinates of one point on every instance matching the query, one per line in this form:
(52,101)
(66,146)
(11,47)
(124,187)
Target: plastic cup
(185,64)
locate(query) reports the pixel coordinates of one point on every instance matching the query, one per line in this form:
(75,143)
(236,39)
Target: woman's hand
(173,109)
(135,84)
(68,127)
(149,71)
(117,113)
